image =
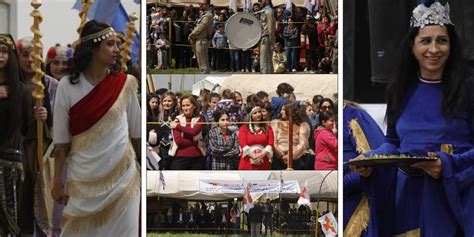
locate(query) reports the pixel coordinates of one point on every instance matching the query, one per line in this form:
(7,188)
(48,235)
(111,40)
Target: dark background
(372,33)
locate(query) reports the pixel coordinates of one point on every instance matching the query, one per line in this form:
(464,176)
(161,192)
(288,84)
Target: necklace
(429,81)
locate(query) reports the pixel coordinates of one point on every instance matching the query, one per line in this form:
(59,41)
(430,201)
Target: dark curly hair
(84,50)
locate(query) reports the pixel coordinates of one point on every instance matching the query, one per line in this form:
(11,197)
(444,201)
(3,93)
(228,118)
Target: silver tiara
(436,14)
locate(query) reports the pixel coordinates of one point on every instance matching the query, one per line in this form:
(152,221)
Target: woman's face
(167,103)
(431,49)
(213,102)
(325,106)
(266,115)
(309,111)
(329,124)
(26,60)
(108,51)
(187,107)
(57,68)
(257,115)
(224,122)
(238,99)
(3,56)
(153,103)
(283,113)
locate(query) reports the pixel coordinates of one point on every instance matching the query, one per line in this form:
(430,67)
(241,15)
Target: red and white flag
(304,196)
(248,201)
(328,224)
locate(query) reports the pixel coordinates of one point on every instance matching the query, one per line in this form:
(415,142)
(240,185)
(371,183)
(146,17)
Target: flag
(162,180)
(119,23)
(248,202)
(248,6)
(234,4)
(304,196)
(288,7)
(328,224)
(309,4)
(113,13)
(152,159)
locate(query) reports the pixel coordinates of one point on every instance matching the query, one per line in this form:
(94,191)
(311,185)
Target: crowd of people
(262,219)
(301,39)
(227,132)
(71,74)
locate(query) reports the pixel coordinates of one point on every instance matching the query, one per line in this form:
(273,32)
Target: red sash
(92,107)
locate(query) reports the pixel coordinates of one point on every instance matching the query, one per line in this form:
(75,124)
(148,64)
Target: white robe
(103,178)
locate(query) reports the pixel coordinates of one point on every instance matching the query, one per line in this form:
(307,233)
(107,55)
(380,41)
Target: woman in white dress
(97,133)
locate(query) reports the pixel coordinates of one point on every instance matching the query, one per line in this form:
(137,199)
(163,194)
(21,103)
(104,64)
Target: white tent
(185,185)
(212,83)
(306,85)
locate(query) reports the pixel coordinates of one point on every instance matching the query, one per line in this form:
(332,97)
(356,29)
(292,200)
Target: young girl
(326,143)
(279,59)
(224,144)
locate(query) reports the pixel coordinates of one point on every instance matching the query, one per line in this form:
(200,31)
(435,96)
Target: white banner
(264,186)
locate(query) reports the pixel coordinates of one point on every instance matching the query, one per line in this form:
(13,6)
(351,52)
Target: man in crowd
(200,37)
(255,217)
(268,21)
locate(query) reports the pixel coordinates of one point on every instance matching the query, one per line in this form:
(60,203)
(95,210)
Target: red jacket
(326,149)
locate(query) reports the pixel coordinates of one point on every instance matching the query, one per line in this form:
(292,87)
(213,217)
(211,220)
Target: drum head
(243,30)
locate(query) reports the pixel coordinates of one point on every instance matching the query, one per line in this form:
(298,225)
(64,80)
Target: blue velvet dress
(352,181)
(439,207)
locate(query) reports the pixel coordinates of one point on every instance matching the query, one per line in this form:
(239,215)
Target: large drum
(243,30)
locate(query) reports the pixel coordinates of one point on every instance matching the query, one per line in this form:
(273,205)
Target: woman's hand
(432,168)
(173,125)
(362,171)
(58,193)
(40,113)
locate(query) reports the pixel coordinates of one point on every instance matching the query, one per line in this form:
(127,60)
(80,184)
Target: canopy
(185,185)
(306,85)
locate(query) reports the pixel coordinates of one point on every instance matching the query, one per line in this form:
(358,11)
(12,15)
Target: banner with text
(263,186)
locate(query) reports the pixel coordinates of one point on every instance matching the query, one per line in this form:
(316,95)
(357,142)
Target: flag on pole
(304,196)
(248,202)
(152,158)
(113,13)
(248,6)
(162,180)
(328,224)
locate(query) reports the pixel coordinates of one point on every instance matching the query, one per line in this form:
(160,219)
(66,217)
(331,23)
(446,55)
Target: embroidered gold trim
(447,148)
(411,233)
(359,219)
(102,185)
(90,222)
(359,136)
(102,127)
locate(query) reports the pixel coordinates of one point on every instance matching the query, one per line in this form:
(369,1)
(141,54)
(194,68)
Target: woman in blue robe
(430,112)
